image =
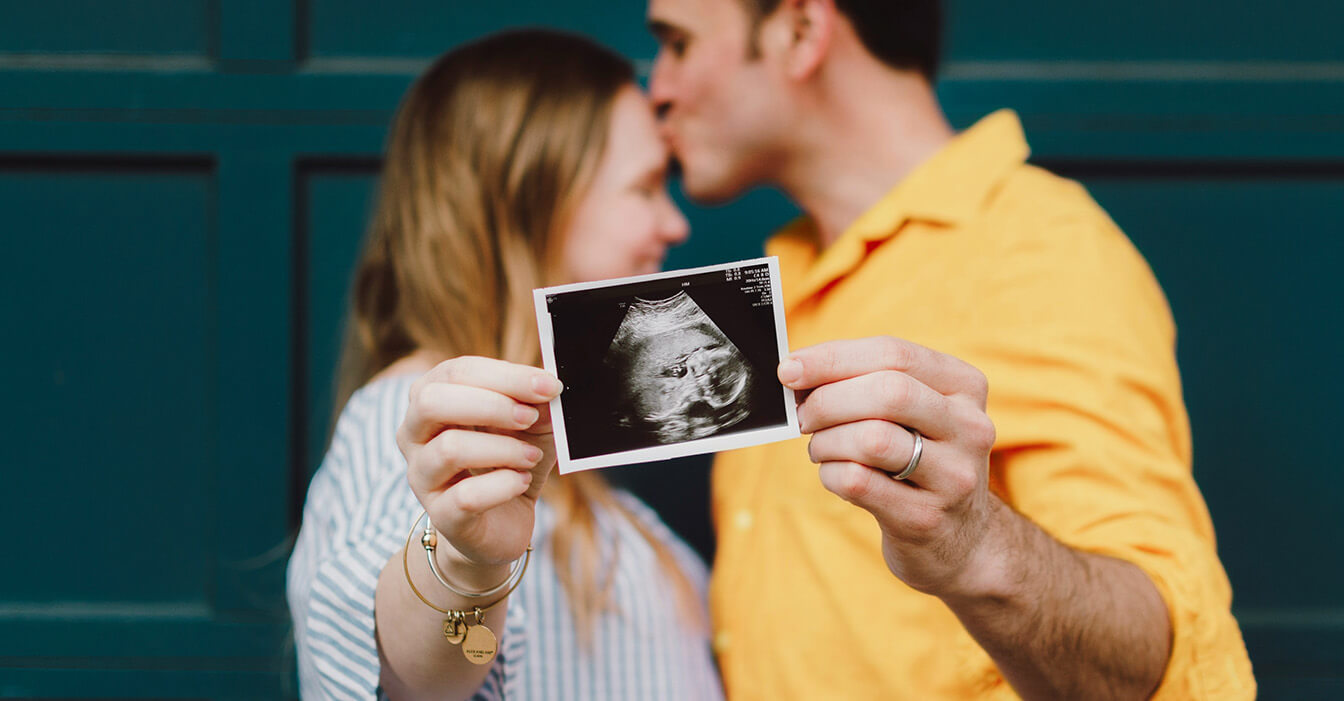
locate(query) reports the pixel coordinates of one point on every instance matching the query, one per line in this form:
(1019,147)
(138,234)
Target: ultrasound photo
(666,365)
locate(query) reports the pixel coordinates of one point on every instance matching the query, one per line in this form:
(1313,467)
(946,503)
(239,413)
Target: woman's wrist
(465,574)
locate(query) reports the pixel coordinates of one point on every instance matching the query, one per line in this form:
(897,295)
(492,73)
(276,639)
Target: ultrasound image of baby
(682,378)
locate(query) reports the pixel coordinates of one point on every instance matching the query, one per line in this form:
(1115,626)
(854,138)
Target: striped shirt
(358,512)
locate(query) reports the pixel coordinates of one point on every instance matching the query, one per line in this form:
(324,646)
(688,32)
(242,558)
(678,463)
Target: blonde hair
(490,150)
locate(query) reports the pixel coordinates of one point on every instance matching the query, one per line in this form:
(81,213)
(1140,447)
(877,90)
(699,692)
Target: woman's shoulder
(372,406)
(363,445)
(382,399)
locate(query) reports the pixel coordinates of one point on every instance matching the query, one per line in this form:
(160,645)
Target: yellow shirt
(1021,274)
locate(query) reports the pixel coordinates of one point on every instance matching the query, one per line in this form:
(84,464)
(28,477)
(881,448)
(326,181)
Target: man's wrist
(994,571)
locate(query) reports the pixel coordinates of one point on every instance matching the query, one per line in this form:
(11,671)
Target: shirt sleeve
(1078,344)
(358,512)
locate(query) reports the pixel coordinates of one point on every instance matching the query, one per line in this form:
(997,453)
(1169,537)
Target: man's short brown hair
(904,34)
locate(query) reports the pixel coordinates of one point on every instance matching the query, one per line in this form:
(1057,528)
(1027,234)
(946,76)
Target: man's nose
(660,87)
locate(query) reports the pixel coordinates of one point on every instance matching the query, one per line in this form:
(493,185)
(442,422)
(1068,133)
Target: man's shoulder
(1035,210)
(1032,192)
(1050,224)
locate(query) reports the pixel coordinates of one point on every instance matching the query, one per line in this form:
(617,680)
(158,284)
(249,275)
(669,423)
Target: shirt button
(742,520)
(721,640)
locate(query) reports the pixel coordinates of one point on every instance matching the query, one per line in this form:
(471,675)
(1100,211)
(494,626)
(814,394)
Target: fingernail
(525,415)
(532,453)
(527,478)
(547,385)
(790,371)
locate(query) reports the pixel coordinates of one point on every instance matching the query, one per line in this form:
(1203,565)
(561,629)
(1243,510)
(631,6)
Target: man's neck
(865,135)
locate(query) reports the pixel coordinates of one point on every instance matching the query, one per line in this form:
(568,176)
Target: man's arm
(1059,623)
(1064,624)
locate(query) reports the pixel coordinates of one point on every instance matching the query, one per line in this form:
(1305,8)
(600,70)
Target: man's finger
(899,507)
(865,487)
(543,422)
(885,394)
(878,444)
(889,448)
(839,360)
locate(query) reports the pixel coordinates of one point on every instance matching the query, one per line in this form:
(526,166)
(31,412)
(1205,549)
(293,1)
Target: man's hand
(1030,601)
(866,396)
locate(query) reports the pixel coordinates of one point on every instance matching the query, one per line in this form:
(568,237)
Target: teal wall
(183,186)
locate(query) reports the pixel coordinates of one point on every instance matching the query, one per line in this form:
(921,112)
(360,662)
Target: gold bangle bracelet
(478,610)
(429,540)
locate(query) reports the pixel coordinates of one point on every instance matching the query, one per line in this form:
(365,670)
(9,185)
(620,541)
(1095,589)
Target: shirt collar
(949,188)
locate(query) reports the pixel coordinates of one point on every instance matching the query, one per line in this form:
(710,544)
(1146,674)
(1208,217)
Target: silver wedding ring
(914,458)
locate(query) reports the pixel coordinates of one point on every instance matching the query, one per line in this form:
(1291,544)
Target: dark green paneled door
(184,183)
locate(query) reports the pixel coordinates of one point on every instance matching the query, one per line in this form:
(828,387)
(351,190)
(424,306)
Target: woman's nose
(674,229)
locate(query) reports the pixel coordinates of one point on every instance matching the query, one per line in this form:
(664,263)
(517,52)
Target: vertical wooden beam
(257,35)
(254,370)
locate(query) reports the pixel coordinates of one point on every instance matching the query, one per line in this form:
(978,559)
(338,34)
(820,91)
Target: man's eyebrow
(663,29)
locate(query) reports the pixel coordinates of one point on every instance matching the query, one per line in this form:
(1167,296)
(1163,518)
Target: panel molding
(1133,71)
(87,265)
(307,167)
(1324,618)
(112,162)
(1183,169)
(1066,118)
(256,35)
(66,30)
(105,63)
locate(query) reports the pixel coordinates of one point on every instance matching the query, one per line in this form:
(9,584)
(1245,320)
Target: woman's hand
(478,446)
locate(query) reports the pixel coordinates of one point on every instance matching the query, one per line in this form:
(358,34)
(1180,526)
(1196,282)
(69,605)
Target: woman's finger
(521,382)
(451,452)
(436,405)
(480,493)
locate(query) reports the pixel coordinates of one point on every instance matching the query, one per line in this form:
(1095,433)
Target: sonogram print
(666,365)
(682,378)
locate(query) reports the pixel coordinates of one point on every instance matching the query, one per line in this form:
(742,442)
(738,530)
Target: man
(1047,534)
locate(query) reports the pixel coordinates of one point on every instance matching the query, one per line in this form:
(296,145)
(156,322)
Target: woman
(522,160)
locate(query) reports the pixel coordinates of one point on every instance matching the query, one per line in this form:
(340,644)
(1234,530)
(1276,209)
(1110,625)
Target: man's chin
(709,190)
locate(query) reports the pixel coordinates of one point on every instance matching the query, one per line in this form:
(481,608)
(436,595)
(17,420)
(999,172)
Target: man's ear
(812,27)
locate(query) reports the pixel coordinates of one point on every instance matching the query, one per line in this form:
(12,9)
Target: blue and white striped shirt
(358,512)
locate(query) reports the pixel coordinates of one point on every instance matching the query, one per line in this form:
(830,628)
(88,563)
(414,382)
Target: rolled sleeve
(1094,442)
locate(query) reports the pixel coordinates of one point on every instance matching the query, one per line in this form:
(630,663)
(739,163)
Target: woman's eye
(678,370)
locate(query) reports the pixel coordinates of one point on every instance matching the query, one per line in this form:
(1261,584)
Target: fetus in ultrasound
(681,378)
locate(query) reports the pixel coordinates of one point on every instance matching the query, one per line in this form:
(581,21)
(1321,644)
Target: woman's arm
(417,660)
(478,446)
